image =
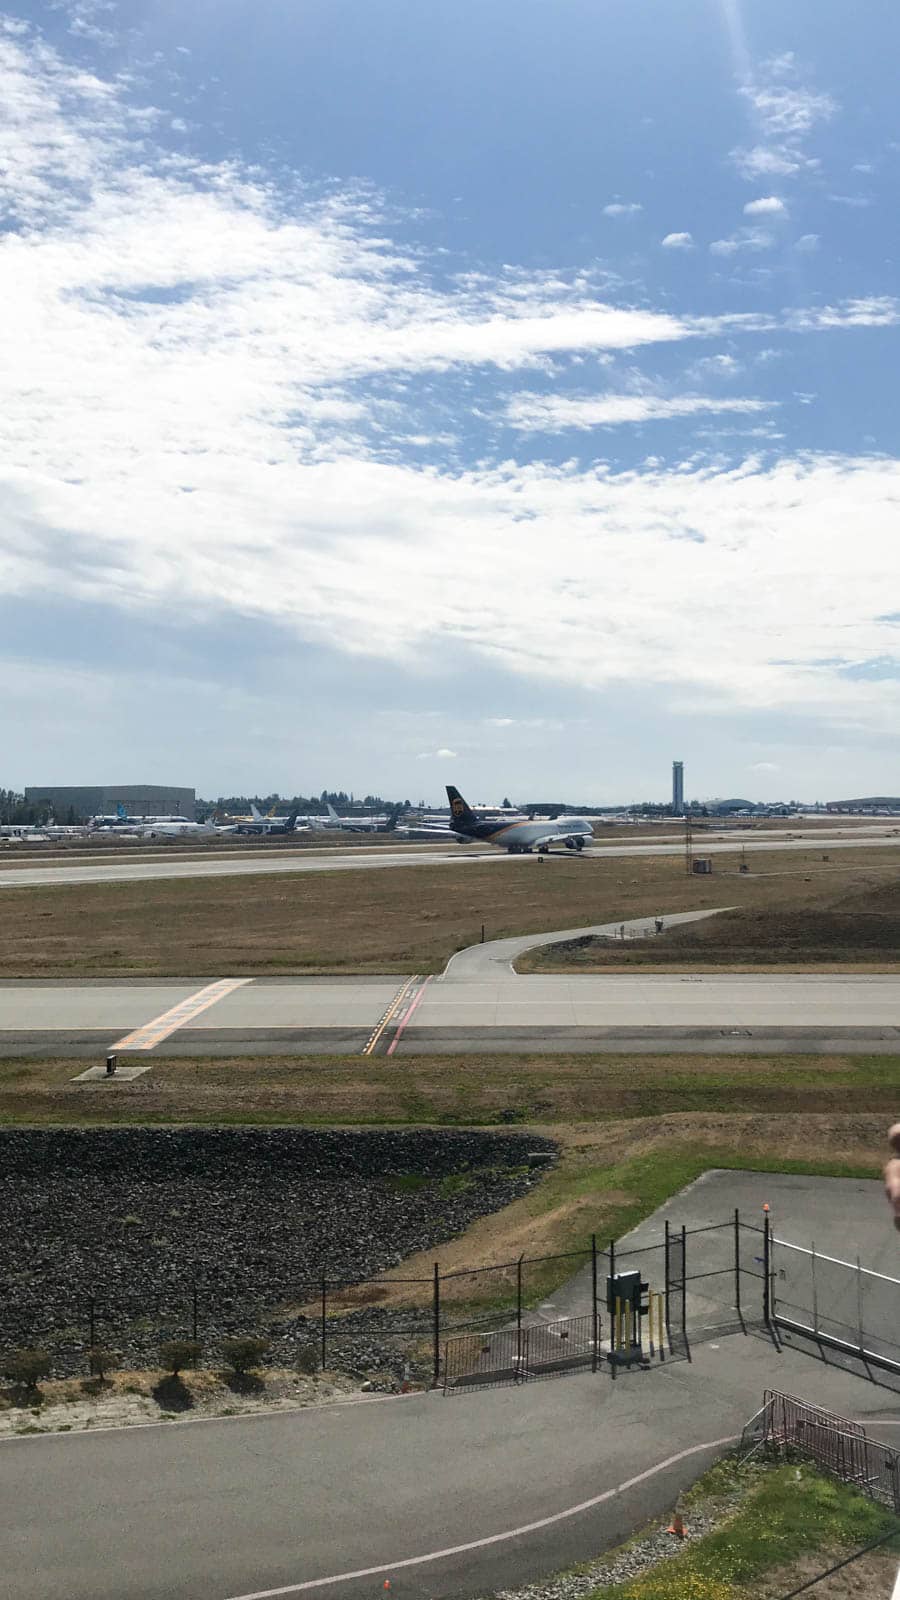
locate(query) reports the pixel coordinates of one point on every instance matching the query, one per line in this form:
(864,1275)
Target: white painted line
(151,1033)
(493,1538)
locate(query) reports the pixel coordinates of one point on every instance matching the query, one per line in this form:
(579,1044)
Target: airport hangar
(104,799)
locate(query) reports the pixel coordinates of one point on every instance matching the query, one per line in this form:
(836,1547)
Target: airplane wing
(559,833)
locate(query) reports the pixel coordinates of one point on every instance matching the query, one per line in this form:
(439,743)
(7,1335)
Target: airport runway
(255,863)
(408,1016)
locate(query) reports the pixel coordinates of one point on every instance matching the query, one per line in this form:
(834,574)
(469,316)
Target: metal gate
(839,1303)
(515,1355)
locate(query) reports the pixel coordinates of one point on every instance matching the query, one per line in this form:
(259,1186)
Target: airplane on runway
(517,837)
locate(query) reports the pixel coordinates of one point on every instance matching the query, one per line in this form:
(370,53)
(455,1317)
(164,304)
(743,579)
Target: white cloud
(766,206)
(437,755)
(807,243)
(209,359)
(764,766)
(786,112)
(872,311)
(762,161)
(719,366)
(856,202)
(678,241)
(619,208)
(752,239)
(551,413)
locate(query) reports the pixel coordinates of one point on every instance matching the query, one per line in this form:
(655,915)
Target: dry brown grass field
(849,926)
(397,919)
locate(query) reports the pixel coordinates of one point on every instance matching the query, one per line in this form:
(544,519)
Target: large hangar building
(104,799)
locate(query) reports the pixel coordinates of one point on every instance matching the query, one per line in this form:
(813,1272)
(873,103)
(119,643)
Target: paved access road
(286,1502)
(231,864)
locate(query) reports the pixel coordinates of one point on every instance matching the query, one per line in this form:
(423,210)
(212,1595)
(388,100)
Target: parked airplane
(175,828)
(523,836)
(269,824)
(348,824)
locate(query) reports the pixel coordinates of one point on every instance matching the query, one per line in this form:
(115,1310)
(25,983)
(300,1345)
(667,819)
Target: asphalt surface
(252,864)
(444,1496)
(541,1012)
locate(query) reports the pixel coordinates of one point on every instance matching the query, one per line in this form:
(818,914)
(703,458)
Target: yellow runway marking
(152,1033)
(392,1010)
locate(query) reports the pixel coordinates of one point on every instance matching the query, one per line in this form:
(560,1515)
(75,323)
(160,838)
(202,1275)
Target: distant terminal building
(678,788)
(78,802)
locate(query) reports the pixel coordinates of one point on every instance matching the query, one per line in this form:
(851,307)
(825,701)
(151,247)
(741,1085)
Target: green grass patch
(787,1512)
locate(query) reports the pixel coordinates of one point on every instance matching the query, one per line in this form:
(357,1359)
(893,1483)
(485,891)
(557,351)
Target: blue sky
(501,393)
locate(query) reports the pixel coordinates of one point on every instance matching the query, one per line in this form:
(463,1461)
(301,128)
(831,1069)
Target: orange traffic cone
(677,1526)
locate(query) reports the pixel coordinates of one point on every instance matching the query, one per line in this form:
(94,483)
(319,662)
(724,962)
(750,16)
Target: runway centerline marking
(492,1538)
(152,1033)
(378,1030)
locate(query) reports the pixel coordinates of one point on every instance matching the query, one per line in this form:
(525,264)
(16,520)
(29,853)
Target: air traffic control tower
(678,788)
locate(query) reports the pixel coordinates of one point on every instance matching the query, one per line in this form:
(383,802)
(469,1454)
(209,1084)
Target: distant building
(678,788)
(103,800)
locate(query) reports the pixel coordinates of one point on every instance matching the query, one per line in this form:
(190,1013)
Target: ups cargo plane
(517,837)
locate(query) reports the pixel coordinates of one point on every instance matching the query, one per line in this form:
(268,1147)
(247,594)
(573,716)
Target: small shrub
(26,1367)
(100,1361)
(178,1353)
(244,1351)
(308,1360)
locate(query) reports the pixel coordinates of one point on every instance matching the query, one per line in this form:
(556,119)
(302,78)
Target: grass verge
(787,1514)
(447,1090)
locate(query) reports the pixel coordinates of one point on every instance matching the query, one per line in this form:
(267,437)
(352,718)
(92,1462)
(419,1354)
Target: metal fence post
(767,1269)
(668,1284)
(91,1328)
(613,1325)
(737,1264)
(519,1317)
(194,1310)
(594,1323)
(324,1328)
(436,1327)
(684,1282)
(815,1290)
(859,1309)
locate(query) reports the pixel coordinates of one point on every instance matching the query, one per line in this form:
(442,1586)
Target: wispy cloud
(678,241)
(552,413)
(745,239)
(872,311)
(622,208)
(785,112)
